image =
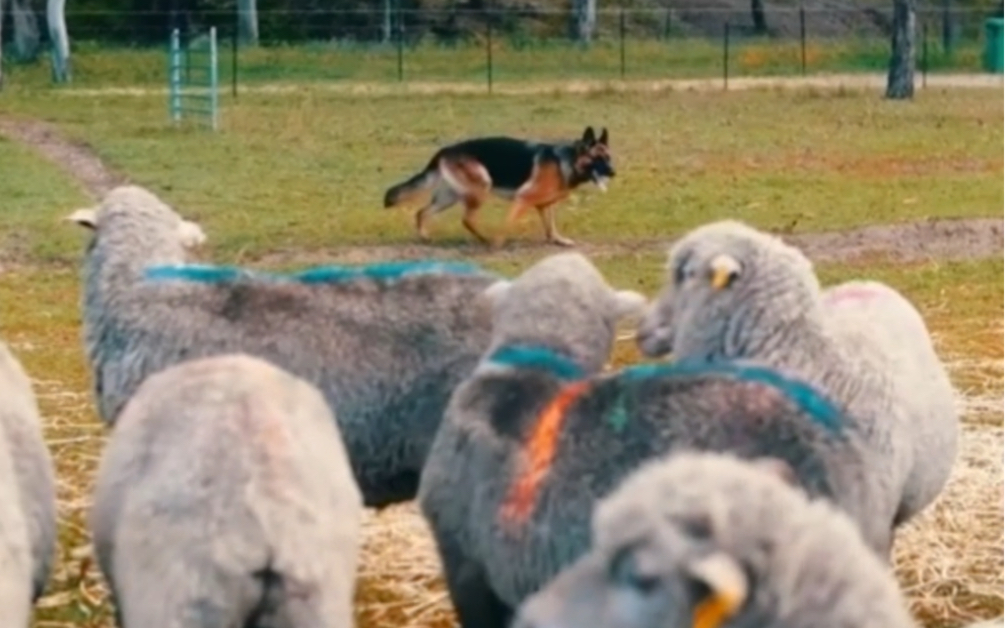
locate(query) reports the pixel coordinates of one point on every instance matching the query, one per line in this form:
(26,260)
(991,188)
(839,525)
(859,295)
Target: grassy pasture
(513,59)
(304,174)
(307,172)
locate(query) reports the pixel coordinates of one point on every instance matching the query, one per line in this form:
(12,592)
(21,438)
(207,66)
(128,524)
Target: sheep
(735,293)
(30,482)
(385,343)
(224,497)
(708,540)
(537,433)
(15,546)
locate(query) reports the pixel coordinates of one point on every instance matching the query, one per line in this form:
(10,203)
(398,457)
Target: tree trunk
(584,20)
(387,22)
(55,15)
(757,14)
(247,20)
(27,38)
(1,43)
(900,80)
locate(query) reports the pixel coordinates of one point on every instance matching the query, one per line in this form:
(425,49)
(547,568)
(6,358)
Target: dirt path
(912,241)
(874,81)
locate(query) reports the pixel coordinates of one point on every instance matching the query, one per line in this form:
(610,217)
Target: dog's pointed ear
(603,136)
(588,136)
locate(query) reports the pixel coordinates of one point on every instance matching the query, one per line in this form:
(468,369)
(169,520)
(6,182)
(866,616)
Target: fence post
(725,55)
(621,40)
(666,24)
(924,53)
(947,28)
(488,53)
(174,74)
(401,44)
(802,37)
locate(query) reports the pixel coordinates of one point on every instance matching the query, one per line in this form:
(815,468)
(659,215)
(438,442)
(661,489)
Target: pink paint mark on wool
(850,293)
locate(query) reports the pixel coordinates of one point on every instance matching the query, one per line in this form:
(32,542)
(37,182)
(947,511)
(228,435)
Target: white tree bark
(55,16)
(387,21)
(27,38)
(584,20)
(247,11)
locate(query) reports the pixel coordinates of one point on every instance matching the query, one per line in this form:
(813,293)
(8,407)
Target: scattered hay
(949,560)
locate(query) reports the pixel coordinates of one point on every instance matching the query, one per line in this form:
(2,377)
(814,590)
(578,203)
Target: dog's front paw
(562,241)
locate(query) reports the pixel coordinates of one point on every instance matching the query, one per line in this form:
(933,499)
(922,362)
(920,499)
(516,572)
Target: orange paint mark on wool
(539,452)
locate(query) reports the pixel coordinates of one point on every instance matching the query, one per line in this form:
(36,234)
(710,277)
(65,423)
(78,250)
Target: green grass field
(303,174)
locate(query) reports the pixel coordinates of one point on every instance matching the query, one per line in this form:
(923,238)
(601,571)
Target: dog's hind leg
(471,205)
(444,197)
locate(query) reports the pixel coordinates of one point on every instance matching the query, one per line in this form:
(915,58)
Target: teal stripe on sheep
(544,358)
(383,271)
(807,397)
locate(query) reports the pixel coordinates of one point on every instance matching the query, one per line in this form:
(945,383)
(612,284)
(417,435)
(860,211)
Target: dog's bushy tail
(398,192)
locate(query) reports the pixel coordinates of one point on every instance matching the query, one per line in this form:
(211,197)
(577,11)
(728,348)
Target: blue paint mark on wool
(384,271)
(200,273)
(808,398)
(537,357)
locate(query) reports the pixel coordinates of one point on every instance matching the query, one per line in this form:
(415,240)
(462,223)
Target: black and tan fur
(530,174)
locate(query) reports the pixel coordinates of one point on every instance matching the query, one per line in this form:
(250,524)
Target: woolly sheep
(737,293)
(536,434)
(710,541)
(224,498)
(31,482)
(384,343)
(15,546)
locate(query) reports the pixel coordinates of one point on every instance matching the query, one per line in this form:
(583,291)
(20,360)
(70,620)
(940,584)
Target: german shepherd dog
(530,174)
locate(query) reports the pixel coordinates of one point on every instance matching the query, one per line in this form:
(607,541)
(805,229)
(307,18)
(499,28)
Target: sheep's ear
(85,217)
(724,270)
(190,234)
(630,303)
(727,586)
(778,468)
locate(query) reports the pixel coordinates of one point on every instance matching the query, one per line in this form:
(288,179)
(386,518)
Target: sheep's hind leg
(476,604)
(184,597)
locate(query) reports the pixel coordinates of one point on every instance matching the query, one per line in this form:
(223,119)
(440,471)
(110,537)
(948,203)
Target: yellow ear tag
(713,611)
(720,277)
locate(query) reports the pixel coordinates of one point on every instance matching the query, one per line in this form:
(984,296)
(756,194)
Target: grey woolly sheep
(33,474)
(699,540)
(225,498)
(536,434)
(15,546)
(737,293)
(385,343)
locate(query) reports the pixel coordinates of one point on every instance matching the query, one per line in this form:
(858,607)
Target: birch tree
(247,19)
(900,80)
(26,37)
(584,20)
(55,16)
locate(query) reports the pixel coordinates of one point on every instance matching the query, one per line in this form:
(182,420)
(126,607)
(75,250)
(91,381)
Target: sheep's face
(720,279)
(671,550)
(564,301)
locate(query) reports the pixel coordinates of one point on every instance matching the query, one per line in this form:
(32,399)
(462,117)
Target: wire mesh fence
(389,43)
